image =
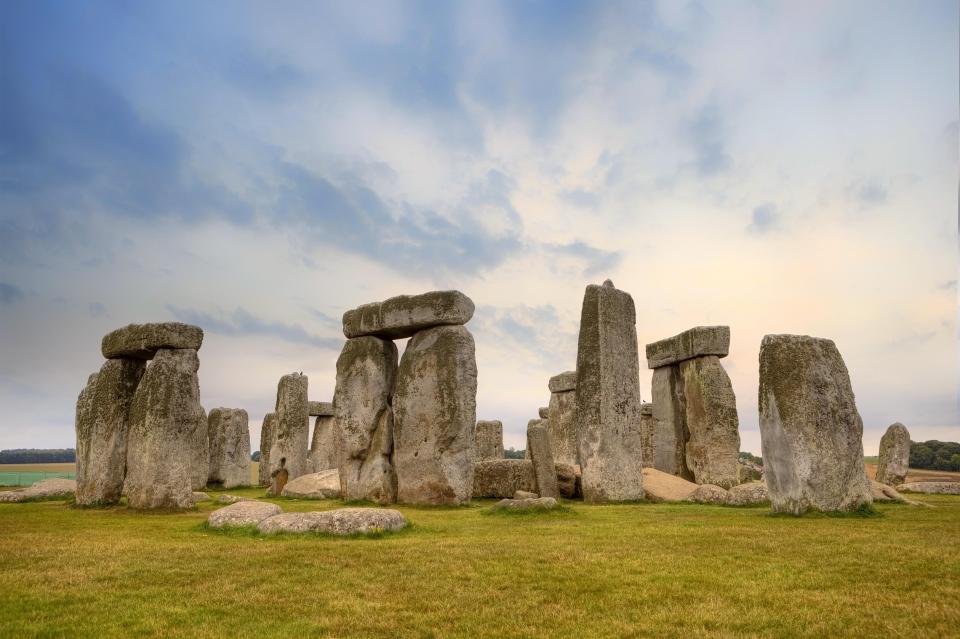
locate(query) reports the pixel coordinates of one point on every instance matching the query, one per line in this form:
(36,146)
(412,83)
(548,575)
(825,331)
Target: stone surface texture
(322,485)
(242,513)
(564,382)
(501,478)
(695,342)
(752,493)
(323,445)
(539,503)
(562,422)
(522,494)
(233,449)
(661,486)
(268,429)
(709,494)
(544,412)
(320,409)
(405,315)
(931,487)
(648,428)
(344,521)
(568,480)
(290,446)
(711,421)
(489,440)
(541,454)
(142,341)
(670,433)
(894,457)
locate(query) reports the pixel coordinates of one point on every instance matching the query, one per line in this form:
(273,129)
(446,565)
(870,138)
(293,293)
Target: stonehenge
(406,315)
(541,454)
(288,448)
(811,433)
(608,396)
(267,429)
(489,440)
(229,443)
(695,423)
(562,417)
(648,427)
(894,455)
(323,444)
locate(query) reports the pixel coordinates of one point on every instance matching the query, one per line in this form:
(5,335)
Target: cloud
(536,330)
(706,133)
(580,198)
(9,294)
(596,261)
(949,285)
(243,323)
(764,219)
(871,192)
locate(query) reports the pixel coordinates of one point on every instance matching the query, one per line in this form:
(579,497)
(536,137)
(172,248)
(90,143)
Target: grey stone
(502,478)
(661,486)
(568,480)
(323,446)
(322,485)
(344,521)
(540,503)
(810,430)
(290,446)
(566,381)
(489,440)
(199,452)
(711,421)
(670,433)
(435,415)
(165,415)
(43,489)
(752,493)
(883,492)
(648,428)
(102,425)
(366,374)
(320,409)
(142,341)
(522,494)
(709,494)
(232,440)
(695,342)
(894,455)
(242,513)
(608,396)
(200,496)
(541,454)
(544,412)
(931,487)
(403,316)
(232,499)
(268,430)
(562,423)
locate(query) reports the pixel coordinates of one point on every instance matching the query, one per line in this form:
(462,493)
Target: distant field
(916,474)
(5,469)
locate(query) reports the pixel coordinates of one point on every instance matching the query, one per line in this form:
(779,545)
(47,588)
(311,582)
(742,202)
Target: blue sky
(259,168)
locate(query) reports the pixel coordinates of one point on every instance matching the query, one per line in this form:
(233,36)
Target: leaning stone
(522,494)
(322,485)
(711,421)
(931,487)
(752,493)
(661,486)
(43,489)
(268,430)
(435,408)
(344,521)
(526,505)
(323,446)
(562,422)
(695,342)
(242,513)
(405,315)
(102,426)
(894,455)
(810,430)
(541,454)
(709,494)
(320,409)
(165,415)
(544,412)
(501,478)
(648,428)
(366,370)
(290,444)
(142,341)
(229,437)
(489,440)
(566,381)
(608,396)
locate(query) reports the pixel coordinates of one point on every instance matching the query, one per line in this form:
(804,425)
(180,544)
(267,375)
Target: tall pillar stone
(229,436)
(323,444)
(608,396)
(562,418)
(647,430)
(489,440)
(215,428)
(894,460)
(435,415)
(199,450)
(366,374)
(268,429)
(102,426)
(541,454)
(289,447)
(811,433)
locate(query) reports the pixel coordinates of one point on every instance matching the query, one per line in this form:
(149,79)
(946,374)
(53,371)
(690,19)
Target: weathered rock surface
(364,430)
(323,446)
(43,489)
(883,492)
(568,480)
(931,487)
(711,421)
(648,428)
(501,478)
(320,409)
(165,415)
(142,341)
(544,412)
(562,420)
(894,457)
(522,494)
(811,432)
(752,493)
(608,396)
(290,445)
(403,316)
(709,494)
(661,486)
(539,503)
(669,416)
(102,425)
(344,521)
(695,342)
(322,485)
(268,430)
(541,454)
(435,413)
(199,451)
(232,499)
(228,431)
(564,382)
(489,440)
(242,513)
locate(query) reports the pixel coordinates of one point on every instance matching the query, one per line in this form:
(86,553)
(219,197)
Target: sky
(259,168)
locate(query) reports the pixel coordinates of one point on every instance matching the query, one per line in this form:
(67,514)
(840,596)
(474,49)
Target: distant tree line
(935,455)
(510,453)
(750,457)
(38,456)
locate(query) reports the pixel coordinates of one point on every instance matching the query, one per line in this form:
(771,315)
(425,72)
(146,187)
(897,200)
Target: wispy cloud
(10,294)
(241,322)
(764,219)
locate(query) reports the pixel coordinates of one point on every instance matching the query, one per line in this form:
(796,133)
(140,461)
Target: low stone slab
(566,381)
(522,494)
(232,499)
(402,316)
(242,513)
(344,521)
(43,489)
(200,496)
(142,341)
(695,342)
(539,503)
(709,494)
(320,409)
(931,487)
(661,486)
(752,493)
(322,485)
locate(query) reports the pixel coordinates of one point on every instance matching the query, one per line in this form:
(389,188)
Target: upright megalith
(435,413)
(608,396)
(323,444)
(199,452)
(289,446)
(268,429)
(811,433)
(102,426)
(648,427)
(403,316)
(366,373)
(894,455)
(229,437)
(541,454)
(489,440)
(696,431)
(142,341)
(165,415)
(562,417)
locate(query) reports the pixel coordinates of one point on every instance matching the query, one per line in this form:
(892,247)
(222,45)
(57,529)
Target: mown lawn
(592,571)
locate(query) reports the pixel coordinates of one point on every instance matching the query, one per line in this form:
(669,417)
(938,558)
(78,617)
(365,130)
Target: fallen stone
(540,503)
(345,521)
(290,440)
(102,427)
(709,494)
(142,341)
(242,513)
(894,457)
(502,478)
(43,489)
(268,429)
(320,409)
(661,486)
(232,499)
(522,494)
(564,382)
(435,413)
(489,440)
(562,423)
(810,430)
(752,493)
(541,454)
(405,315)
(695,342)
(322,485)
(323,446)
(931,487)
(544,412)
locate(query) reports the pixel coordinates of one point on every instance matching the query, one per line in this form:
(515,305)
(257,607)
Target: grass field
(592,571)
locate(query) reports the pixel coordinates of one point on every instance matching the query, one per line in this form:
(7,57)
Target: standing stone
(811,433)
(894,455)
(489,440)
(102,426)
(648,426)
(199,454)
(435,406)
(234,454)
(711,421)
(366,373)
(164,417)
(562,418)
(541,454)
(608,396)
(215,428)
(323,445)
(670,426)
(268,429)
(293,425)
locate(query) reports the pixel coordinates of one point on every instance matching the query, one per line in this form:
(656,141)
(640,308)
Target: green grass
(589,571)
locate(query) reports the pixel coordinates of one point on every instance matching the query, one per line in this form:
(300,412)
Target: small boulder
(142,341)
(522,494)
(344,521)
(709,494)
(529,504)
(322,485)
(752,493)
(661,486)
(242,513)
